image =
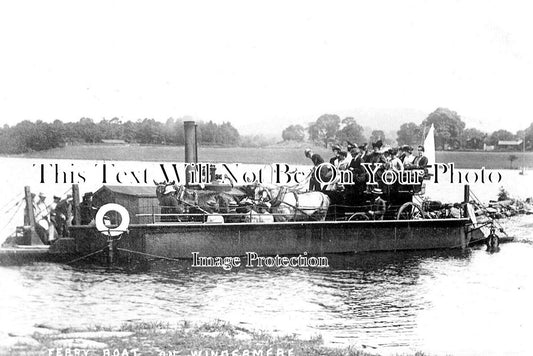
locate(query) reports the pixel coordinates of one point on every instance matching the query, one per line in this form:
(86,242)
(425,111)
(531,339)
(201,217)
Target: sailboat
(429,146)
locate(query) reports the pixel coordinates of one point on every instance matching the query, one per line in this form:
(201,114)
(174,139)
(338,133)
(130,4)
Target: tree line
(450,132)
(29,136)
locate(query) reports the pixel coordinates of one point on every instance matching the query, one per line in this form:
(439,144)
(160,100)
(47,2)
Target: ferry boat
(147,236)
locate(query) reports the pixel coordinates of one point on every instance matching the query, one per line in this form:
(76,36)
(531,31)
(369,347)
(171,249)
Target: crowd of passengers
(369,197)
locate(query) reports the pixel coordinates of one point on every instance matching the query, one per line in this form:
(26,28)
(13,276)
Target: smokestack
(191,147)
(190,142)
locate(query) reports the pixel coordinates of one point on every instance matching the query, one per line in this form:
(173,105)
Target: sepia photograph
(266,178)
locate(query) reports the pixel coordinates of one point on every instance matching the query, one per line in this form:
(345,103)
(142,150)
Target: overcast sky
(265,65)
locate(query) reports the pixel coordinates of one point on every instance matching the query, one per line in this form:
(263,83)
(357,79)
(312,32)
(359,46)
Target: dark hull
(316,238)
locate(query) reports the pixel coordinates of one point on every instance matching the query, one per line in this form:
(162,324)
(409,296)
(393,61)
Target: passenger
(363,152)
(420,160)
(335,159)
(376,156)
(342,165)
(344,160)
(379,206)
(409,157)
(41,209)
(64,216)
(53,214)
(387,157)
(355,190)
(44,228)
(86,209)
(395,163)
(317,160)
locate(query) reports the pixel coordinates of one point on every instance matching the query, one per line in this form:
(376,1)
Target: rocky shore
(155,338)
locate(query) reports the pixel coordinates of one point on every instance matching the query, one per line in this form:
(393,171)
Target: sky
(266,65)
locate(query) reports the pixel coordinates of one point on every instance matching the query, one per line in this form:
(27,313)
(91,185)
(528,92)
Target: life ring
(116,231)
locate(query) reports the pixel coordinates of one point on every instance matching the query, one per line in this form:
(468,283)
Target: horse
(166,195)
(291,204)
(207,201)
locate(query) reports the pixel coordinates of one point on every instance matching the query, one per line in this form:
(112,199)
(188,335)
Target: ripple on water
(396,302)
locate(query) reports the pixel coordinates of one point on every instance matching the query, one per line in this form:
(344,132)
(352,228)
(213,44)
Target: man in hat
(317,160)
(64,215)
(46,230)
(355,191)
(53,214)
(379,206)
(376,156)
(87,211)
(363,149)
(41,209)
(335,159)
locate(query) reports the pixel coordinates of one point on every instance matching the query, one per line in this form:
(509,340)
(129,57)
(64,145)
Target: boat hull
(292,238)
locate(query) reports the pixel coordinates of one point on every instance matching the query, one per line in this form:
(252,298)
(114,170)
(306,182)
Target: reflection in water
(435,301)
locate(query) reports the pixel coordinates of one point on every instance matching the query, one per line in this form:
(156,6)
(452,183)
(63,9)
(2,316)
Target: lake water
(458,302)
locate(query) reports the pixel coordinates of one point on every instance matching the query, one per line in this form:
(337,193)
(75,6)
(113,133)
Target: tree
(528,136)
(377,135)
(500,135)
(350,131)
(448,127)
(472,138)
(409,134)
(293,133)
(324,129)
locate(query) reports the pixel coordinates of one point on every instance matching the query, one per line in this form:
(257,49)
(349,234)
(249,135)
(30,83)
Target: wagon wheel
(358,217)
(410,211)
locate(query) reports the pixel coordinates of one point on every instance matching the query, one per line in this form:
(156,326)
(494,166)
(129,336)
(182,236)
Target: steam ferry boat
(132,223)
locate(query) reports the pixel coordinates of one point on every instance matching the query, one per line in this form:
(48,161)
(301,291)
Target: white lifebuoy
(116,231)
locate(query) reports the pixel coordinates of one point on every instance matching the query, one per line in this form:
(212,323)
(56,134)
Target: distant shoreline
(291,154)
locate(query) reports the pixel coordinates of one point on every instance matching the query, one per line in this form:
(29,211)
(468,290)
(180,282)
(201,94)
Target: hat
(169,189)
(385,149)
(377,191)
(351,145)
(56,197)
(41,194)
(335,148)
(307,151)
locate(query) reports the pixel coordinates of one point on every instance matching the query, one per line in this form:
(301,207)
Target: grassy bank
(267,155)
(164,339)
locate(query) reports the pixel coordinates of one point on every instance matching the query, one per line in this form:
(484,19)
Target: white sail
(429,145)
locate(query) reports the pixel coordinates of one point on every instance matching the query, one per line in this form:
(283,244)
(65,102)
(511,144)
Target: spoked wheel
(358,217)
(410,211)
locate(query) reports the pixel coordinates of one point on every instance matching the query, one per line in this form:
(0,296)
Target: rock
(31,331)
(79,344)
(210,333)
(94,335)
(51,326)
(45,331)
(243,336)
(19,340)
